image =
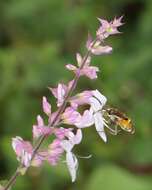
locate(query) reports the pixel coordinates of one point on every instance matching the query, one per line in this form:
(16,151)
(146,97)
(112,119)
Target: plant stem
(60,111)
(12,179)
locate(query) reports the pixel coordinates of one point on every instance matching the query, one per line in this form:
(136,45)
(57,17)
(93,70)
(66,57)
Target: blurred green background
(37,39)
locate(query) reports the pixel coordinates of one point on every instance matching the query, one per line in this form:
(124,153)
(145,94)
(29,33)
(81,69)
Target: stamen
(85,157)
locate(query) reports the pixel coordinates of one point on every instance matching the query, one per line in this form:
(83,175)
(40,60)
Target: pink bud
(40,121)
(46,106)
(23,150)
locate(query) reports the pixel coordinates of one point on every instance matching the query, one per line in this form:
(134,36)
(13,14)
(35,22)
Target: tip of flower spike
(117,21)
(108,28)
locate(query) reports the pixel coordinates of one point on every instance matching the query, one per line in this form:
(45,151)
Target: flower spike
(82,110)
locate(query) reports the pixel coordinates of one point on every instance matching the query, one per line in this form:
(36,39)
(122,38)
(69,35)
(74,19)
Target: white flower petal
(66,145)
(100,50)
(72,164)
(102,99)
(70,134)
(75,139)
(78,137)
(86,120)
(95,104)
(99,125)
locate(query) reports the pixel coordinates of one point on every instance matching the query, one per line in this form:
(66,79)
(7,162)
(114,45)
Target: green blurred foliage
(37,38)
(118,179)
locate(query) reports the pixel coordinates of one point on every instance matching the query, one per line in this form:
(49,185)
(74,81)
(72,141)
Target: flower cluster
(64,139)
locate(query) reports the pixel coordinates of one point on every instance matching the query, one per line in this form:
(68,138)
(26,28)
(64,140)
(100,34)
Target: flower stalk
(65,139)
(60,110)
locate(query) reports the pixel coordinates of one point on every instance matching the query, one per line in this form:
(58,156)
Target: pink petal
(105,24)
(61,133)
(56,143)
(78,137)
(23,150)
(87,63)
(40,121)
(61,93)
(70,116)
(71,67)
(80,99)
(40,131)
(100,50)
(117,22)
(89,41)
(87,119)
(90,72)
(79,59)
(70,83)
(46,106)
(54,92)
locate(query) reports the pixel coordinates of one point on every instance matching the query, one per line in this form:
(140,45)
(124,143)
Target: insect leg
(114,131)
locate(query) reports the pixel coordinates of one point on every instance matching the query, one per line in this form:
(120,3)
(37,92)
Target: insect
(118,118)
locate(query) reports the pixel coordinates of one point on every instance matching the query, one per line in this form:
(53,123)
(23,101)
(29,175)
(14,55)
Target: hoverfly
(119,119)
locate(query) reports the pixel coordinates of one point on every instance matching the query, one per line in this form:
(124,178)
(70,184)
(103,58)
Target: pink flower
(61,132)
(90,72)
(40,129)
(108,28)
(81,98)
(60,92)
(23,150)
(75,138)
(87,70)
(71,159)
(70,116)
(89,117)
(97,48)
(46,106)
(73,117)
(86,120)
(55,151)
